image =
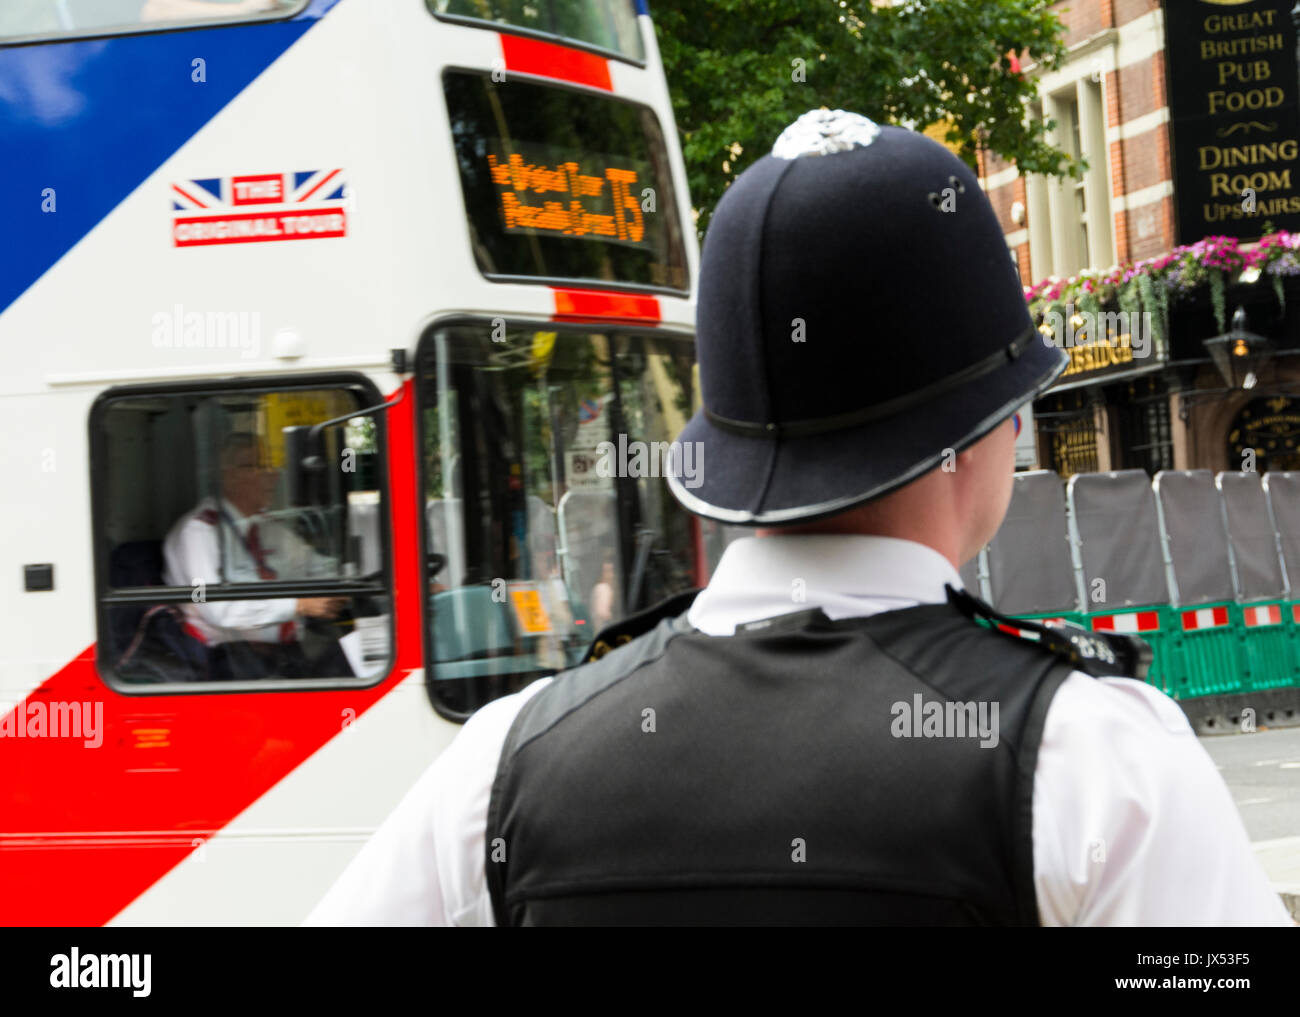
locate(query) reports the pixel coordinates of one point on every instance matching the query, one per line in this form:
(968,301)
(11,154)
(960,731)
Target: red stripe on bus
(87,830)
(532,56)
(584,305)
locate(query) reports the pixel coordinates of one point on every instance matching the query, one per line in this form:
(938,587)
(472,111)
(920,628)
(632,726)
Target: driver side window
(233,544)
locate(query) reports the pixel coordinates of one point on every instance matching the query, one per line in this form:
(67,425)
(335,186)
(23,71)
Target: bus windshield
(606,24)
(547,515)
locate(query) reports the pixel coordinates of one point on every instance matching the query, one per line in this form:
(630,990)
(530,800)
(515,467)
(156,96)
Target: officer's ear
(996,450)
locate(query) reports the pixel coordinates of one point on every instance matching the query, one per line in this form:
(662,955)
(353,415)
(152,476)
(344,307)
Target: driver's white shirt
(1132,824)
(192,554)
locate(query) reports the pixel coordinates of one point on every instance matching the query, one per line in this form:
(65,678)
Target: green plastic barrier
(1291,619)
(1268,634)
(1209,658)
(1158,625)
(1260,576)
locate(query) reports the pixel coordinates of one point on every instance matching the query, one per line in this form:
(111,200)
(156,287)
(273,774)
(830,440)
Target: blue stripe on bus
(83,123)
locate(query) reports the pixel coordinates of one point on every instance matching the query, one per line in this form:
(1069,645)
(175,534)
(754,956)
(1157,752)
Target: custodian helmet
(858,316)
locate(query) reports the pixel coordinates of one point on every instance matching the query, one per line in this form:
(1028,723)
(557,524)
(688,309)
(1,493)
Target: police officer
(833,730)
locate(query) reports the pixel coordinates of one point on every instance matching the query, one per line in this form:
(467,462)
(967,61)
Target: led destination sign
(563,184)
(568,194)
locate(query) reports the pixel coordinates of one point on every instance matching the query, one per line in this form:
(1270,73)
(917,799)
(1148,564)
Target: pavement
(1262,770)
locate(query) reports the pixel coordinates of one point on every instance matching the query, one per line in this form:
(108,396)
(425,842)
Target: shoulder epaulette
(208,516)
(1100,654)
(626,629)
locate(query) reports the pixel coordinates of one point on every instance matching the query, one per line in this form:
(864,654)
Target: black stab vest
(778,776)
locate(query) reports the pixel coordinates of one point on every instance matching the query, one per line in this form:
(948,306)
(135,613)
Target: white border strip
(1146,196)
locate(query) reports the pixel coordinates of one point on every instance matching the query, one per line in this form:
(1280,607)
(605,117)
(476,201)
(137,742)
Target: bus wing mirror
(305,446)
(304,457)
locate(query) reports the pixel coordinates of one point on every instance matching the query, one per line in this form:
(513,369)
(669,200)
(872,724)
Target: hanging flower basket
(1183,281)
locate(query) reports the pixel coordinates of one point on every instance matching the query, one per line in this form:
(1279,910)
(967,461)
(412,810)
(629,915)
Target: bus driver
(249,638)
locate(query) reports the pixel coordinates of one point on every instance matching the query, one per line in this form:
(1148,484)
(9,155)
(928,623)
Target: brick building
(1111,101)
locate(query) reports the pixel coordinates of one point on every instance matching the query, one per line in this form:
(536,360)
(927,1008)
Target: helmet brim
(758,481)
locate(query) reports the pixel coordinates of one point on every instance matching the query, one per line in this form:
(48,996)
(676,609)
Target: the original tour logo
(303,205)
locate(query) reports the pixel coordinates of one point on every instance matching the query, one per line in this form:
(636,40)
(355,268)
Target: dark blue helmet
(859,315)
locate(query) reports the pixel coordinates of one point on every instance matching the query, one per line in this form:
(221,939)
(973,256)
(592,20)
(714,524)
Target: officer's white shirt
(192,553)
(1132,823)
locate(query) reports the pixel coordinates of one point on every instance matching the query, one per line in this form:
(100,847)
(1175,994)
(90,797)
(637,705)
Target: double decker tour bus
(315,316)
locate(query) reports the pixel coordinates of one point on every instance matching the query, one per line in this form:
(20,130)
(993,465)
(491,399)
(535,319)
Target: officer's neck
(924,513)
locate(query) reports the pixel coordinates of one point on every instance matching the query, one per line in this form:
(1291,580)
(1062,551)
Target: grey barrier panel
(1251,538)
(970,576)
(1191,514)
(1282,488)
(1029,567)
(975,575)
(1113,518)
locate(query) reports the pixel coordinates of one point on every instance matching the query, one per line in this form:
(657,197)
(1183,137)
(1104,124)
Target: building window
(1070,220)
(1144,431)
(1080,187)
(1067,429)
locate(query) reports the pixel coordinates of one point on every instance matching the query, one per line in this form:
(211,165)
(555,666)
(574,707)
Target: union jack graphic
(299,187)
(299,205)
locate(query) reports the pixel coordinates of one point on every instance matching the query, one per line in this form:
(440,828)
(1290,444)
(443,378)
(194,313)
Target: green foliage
(732,70)
(1218,298)
(1088,303)
(1158,308)
(1129,299)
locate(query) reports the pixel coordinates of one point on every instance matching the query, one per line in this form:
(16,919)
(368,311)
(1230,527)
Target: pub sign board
(1234,98)
(1270,427)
